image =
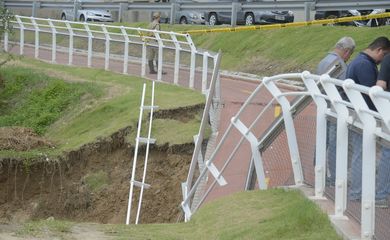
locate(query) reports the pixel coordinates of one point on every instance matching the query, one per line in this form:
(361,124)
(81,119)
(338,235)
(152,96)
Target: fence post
(236,6)
(177,60)
(6,39)
(71,34)
(54,41)
(126,51)
(107,52)
(21,30)
(307,8)
(205,71)
(193,60)
(290,129)
(35,6)
(368,159)
(144,52)
(90,37)
(341,152)
(34,23)
(160,56)
(320,163)
(175,7)
(123,8)
(76,7)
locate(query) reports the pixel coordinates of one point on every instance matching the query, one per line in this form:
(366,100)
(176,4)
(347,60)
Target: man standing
(153,51)
(364,71)
(335,65)
(383,189)
(384,74)
(337,58)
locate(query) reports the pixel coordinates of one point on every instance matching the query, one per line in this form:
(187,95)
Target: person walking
(153,51)
(364,71)
(335,64)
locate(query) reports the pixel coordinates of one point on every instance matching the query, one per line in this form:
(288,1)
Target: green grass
(87,111)
(33,100)
(45,228)
(271,214)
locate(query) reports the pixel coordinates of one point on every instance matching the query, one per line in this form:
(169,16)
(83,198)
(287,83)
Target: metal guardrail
(175,6)
(286,25)
(323,90)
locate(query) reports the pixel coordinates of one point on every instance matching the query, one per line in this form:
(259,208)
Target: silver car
(94,15)
(190,17)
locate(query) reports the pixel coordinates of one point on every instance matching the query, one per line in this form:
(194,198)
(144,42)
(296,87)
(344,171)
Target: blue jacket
(364,71)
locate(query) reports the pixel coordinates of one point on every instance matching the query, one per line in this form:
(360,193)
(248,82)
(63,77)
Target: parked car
(250,17)
(185,17)
(190,17)
(351,13)
(95,15)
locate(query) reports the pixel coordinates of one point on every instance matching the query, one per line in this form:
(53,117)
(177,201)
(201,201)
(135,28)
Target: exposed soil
(57,188)
(21,139)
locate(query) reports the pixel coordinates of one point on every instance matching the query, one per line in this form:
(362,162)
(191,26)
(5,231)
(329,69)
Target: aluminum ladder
(146,140)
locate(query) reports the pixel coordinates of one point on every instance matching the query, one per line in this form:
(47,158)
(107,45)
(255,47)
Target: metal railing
(227,6)
(304,139)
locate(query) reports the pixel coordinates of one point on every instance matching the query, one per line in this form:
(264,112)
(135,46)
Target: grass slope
(271,214)
(282,50)
(90,103)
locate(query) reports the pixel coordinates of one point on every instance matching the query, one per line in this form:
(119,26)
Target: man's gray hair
(345,43)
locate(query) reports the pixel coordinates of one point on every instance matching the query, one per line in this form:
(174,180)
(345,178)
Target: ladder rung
(139,184)
(145,140)
(150,107)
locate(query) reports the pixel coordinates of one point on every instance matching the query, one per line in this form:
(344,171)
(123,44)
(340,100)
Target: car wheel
(183,20)
(213,20)
(376,22)
(82,18)
(63,17)
(249,19)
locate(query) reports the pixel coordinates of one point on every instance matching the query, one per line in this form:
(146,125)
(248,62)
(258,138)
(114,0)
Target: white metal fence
(304,139)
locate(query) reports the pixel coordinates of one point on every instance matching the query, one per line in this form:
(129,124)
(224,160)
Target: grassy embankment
(88,104)
(273,214)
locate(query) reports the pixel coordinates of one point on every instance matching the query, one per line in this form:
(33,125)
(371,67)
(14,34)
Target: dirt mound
(21,139)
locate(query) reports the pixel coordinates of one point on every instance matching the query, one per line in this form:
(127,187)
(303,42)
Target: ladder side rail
(146,154)
(135,156)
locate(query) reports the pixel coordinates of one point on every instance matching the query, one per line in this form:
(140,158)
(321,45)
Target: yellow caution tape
(293,24)
(277,111)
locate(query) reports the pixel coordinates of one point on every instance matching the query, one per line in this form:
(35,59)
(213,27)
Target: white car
(94,15)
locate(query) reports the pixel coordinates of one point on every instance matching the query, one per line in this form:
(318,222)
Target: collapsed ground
(45,174)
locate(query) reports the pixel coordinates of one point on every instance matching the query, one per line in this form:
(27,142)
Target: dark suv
(250,17)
